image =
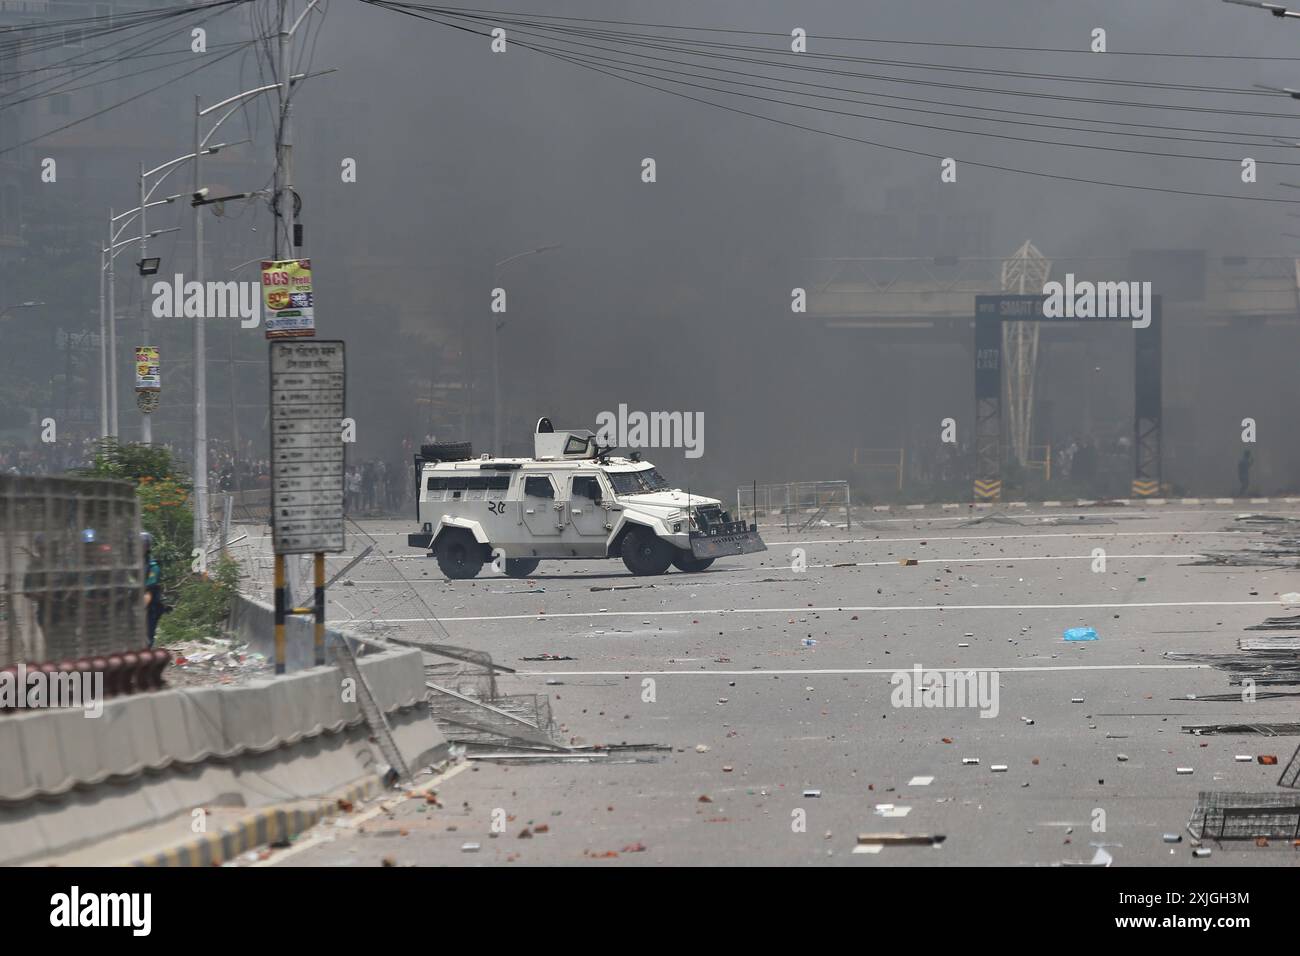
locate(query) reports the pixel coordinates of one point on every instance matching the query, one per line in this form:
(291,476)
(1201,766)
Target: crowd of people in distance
(228,471)
(376,486)
(45,458)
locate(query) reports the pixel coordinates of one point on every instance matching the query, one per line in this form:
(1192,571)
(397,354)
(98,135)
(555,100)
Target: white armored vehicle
(573,500)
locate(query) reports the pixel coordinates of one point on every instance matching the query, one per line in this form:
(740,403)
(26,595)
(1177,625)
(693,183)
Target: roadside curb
(263,828)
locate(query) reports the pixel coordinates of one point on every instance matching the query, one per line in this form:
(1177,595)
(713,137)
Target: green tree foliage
(200,601)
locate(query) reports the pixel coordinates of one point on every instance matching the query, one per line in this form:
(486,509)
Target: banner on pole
(287,305)
(148,371)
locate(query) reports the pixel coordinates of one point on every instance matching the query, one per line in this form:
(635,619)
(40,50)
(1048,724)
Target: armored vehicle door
(539,509)
(588,499)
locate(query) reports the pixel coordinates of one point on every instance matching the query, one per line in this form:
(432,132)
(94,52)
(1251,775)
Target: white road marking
(1039,557)
(833,671)
(542,579)
(1021,537)
(1125,513)
(823,610)
(927,538)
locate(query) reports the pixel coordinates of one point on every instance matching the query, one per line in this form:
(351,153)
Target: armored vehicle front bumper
(733,538)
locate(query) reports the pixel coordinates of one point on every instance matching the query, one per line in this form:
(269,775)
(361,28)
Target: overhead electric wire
(207,62)
(877,61)
(795,64)
(121,24)
(130,15)
(843,39)
(50,85)
(63,89)
(1236,135)
(1233,142)
(420,12)
(138,56)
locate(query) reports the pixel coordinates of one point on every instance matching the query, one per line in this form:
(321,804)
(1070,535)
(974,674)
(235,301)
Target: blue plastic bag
(1080,634)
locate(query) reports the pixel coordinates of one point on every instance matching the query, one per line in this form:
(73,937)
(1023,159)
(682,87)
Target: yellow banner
(287,301)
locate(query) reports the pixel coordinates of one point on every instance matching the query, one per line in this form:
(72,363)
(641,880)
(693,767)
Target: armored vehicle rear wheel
(685,561)
(459,555)
(644,552)
(521,567)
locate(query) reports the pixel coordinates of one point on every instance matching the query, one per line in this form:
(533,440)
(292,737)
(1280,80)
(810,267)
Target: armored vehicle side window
(539,486)
(586,486)
(436,489)
(497,486)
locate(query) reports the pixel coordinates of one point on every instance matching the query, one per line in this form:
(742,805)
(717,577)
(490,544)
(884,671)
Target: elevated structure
(1026,271)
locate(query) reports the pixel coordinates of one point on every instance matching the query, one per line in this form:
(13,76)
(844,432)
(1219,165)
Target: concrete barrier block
(38,742)
(173,729)
(139,719)
(246,715)
(202,712)
(13,768)
(83,742)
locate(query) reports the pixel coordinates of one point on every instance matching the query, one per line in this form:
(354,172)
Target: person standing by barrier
(153,591)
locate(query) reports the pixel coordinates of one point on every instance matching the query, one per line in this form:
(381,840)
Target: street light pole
(146,423)
(110,346)
(112,336)
(200,331)
(200,365)
(103,345)
(284,161)
(111,251)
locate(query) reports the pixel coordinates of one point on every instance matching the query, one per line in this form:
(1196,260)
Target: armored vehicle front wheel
(644,552)
(685,561)
(459,555)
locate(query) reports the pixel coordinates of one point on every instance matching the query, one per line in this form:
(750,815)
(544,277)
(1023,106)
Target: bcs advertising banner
(148,370)
(287,305)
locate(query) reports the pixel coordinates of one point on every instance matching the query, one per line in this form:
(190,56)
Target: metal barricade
(71,569)
(800,504)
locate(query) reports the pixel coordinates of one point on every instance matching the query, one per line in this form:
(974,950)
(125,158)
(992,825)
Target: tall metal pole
(146,424)
(112,336)
(103,345)
(284,158)
(200,369)
(284,250)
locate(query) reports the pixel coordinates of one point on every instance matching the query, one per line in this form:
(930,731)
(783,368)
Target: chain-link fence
(71,569)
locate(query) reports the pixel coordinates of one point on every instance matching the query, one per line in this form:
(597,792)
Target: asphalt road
(767,733)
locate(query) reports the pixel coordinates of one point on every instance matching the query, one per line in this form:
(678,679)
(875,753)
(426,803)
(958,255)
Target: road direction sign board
(307,400)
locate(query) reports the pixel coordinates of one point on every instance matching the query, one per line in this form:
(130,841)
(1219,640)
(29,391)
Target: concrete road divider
(67,781)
